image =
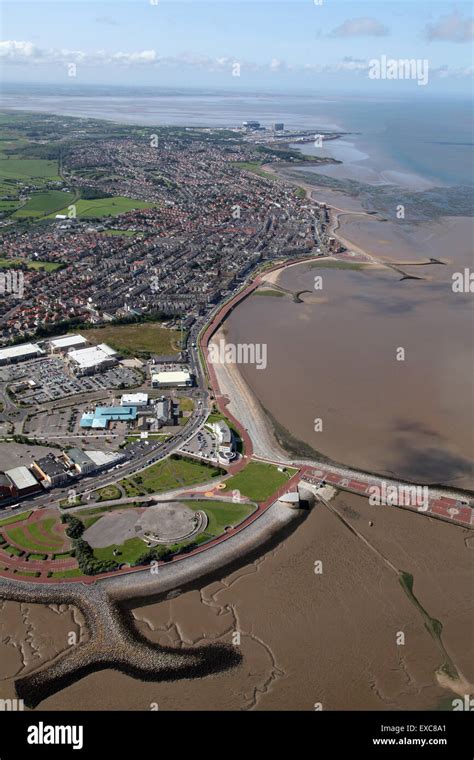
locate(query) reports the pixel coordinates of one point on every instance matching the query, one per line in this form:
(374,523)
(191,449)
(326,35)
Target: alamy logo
(464,704)
(45,734)
(12,283)
(399,496)
(240,353)
(403,68)
(11,705)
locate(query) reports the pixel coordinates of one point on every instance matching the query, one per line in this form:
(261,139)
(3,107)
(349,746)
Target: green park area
(42,204)
(47,266)
(141,338)
(14,519)
(99,207)
(174,472)
(222,514)
(108,493)
(38,537)
(258,481)
(255,167)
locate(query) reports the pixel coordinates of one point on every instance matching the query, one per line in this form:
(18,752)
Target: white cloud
(26,53)
(361,27)
(453,28)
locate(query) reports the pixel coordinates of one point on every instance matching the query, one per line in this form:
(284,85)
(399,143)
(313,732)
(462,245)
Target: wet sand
(334,356)
(328,638)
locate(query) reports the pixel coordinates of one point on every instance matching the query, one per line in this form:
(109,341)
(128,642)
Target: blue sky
(278,44)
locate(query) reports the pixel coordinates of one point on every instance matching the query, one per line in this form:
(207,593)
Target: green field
(145,337)
(33,539)
(41,204)
(48,266)
(98,207)
(168,474)
(15,518)
(120,233)
(130,551)
(255,168)
(221,514)
(258,481)
(28,169)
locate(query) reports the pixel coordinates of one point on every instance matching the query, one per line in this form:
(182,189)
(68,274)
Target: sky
(245,45)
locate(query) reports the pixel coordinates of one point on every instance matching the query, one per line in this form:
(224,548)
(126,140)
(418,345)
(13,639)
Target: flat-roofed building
(163,410)
(104,459)
(7,487)
(23,480)
(20,353)
(66,343)
(50,470)
(134,399)
(87,361)
(80,461)
(102,415)
(172,379)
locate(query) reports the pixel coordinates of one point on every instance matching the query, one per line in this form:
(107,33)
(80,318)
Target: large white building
(86,361)
(134,399)
(66,343)
(225,440)
(171,379)
(20,353)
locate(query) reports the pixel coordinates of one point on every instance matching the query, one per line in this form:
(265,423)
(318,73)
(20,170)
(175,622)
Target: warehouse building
(171,379)
(20,353)
(66,343)
(87,361)
(23,480)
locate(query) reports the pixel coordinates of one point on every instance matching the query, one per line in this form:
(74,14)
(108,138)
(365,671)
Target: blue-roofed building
(102,415)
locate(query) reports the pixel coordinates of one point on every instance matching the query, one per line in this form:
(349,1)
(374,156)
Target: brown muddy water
(328,638)
(334,356)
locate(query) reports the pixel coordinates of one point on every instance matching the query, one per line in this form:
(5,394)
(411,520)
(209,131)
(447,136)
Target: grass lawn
(272,293)
(130,551)
(12,550)
(44,203)
(119,233)
(168,474)
(15,518)
(186,404)
(37,556)
(258,481)
(108,493)
(335,265)
(255,168)
(32,538)
(25,169)
(98,207)
(145,337)
(68,503)
(74,573)
(48,266)
(221,514)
